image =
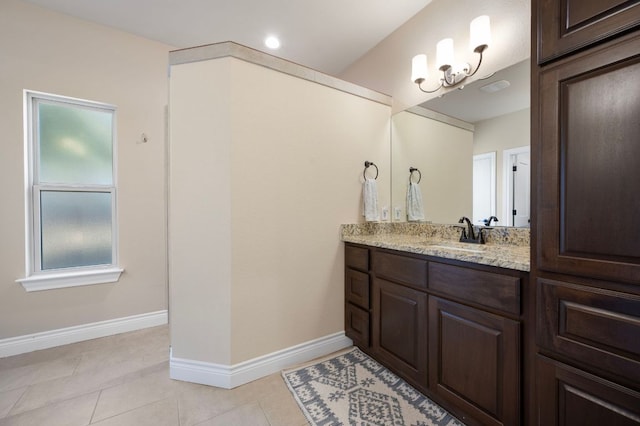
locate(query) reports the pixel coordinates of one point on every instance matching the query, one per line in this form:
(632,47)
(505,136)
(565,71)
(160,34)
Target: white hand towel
(370,200)
(415,209)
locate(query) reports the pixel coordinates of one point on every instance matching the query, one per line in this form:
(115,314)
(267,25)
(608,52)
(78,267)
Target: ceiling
(472,104)
(325,35)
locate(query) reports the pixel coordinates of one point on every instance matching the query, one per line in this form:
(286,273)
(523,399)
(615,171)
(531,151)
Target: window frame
(36,278)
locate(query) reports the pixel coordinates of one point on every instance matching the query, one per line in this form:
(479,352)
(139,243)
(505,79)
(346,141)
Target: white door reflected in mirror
(484,187)
(517,173)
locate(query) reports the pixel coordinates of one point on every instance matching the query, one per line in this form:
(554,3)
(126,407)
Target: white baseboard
(231,376)
(63,336)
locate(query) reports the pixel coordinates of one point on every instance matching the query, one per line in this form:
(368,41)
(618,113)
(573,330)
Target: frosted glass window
(75,144)
(76,229)
(71,188)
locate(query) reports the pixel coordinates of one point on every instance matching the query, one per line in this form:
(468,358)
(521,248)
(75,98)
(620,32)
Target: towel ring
(366,166)
(413,169)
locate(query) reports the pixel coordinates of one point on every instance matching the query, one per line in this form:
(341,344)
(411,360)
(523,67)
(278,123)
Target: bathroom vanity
(449,318)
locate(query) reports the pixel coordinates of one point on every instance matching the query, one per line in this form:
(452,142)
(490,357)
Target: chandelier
(453,74)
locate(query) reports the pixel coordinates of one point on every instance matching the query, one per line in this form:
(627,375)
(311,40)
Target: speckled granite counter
(505,247)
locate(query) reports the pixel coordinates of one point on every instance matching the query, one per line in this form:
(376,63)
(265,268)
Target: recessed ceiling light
(272,42)
(495,86)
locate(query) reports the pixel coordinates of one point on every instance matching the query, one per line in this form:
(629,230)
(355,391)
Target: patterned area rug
(353,389)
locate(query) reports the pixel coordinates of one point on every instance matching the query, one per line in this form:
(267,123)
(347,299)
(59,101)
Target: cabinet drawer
(484,288)
(357,288)
(357,325)
(595,326)
(401,269)
(356,257)
(571,397)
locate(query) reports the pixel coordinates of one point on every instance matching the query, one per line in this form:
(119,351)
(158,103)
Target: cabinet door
(400,330)
(588,207)
(571,397)
(474,361)
(567,25)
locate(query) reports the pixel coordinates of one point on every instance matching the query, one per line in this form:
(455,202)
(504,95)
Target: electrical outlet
(397,213)
(385,213)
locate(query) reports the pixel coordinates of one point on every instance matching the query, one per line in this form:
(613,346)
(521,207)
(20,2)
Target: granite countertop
(438,242)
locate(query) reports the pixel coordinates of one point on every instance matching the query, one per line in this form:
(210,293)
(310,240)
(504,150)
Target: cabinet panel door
(567,25)
(400,330)
(588,208)
(474,361)
(571,397)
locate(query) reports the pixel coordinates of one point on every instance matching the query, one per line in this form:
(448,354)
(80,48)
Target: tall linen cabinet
(265,159)
(586,228)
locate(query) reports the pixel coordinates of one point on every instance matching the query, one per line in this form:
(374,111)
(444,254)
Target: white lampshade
(444,53)
(480,33)
(419,68)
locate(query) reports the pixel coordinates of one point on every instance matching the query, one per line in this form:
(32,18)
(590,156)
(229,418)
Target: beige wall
(49,52)
(274,168)
(498,134)
(444,155)
(387,67)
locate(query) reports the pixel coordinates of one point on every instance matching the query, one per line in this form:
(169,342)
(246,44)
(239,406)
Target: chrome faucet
(468,235)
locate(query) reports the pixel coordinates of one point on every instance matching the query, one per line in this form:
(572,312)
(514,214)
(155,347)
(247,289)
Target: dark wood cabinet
(596,327)
(474,361)
(357,325)
(487,289)
(451,329)
(585,145)
(588,209)
(357,317)
(400,330)
(568,396)
(565,26)
(403,269)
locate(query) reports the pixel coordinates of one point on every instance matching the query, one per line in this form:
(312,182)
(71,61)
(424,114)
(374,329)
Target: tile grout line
(26,388)
(93,413)
(264,413)
(75,369)
(15,402)
(132,409)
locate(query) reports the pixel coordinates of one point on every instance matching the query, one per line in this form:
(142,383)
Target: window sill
(50,281)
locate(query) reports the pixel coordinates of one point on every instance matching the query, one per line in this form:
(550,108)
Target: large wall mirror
(471,150)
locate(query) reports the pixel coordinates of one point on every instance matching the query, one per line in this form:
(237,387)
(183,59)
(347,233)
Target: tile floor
(124,380)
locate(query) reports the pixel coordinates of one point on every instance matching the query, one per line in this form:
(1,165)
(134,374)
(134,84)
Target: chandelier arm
(477,66)
(429,91)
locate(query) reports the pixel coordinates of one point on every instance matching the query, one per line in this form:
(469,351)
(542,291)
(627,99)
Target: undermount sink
(452,247)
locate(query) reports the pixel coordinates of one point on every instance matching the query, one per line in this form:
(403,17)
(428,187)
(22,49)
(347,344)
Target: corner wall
(272,183)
